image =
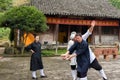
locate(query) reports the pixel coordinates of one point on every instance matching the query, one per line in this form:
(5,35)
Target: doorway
(63,34)
(65,30)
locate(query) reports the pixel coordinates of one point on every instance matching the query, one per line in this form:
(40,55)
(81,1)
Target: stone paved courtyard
(17,68)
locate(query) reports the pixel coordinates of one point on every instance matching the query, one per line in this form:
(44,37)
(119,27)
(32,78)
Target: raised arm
(92,26)
(89,31)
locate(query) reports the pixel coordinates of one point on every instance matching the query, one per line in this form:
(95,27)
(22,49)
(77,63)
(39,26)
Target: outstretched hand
(64,56)
(67,56)
(93,23)
(71,56)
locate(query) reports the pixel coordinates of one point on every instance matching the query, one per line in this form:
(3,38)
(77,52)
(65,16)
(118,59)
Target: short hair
(79,34)
(35,35)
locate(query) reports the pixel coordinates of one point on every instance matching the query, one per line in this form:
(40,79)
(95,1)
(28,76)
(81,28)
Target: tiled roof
(100,8)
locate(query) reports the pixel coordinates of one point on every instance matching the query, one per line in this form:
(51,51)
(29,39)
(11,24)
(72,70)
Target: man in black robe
(36,60)
(83,56)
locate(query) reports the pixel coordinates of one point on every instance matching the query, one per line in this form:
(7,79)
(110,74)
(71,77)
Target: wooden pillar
(100,33)
(56,37)
(80,29)
(54,33)
(119,34)
(69,33)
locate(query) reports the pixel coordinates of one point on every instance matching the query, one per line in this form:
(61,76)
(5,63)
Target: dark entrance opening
(65,30)
(63,34)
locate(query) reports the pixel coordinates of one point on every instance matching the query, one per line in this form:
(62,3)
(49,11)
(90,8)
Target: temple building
(65,16)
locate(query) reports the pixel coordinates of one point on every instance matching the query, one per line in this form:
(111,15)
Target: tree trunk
(18,37)
(24,41)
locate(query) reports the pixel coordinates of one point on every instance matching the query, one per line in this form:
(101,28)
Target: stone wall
(106,39)
(46,37)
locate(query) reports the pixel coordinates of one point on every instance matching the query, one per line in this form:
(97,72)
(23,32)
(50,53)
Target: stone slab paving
(17,68)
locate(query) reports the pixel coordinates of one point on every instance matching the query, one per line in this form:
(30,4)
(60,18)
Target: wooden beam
(56,32)
(100,33)
(56,37)
(69,21)
(69,32)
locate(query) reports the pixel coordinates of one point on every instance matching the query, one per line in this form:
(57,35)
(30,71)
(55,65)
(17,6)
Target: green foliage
(25,18)
(1,16)
(4,33)
(115,3)
(47,53)
(5,5)
(51,52)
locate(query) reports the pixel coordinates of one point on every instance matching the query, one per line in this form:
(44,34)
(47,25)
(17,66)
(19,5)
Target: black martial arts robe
(83,56)
(36,60)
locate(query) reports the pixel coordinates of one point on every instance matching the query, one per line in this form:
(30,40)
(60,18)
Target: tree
(5,5)
(115,3)
(1,15)
(26,19)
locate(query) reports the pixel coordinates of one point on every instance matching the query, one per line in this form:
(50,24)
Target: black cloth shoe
(43,76)
(104,79)
(34,78)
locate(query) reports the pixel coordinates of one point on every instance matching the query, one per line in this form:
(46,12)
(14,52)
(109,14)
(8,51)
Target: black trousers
(81,75)
(95,65)
(73,67)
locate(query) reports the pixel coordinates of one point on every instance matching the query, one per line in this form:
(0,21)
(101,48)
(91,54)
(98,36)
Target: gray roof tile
(101,8)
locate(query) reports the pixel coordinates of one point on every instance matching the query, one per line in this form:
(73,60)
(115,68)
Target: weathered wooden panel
(69,21)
